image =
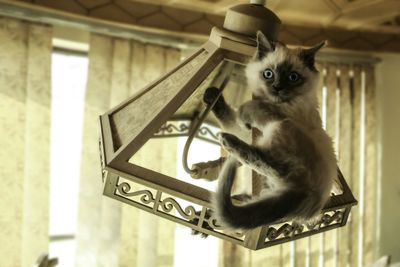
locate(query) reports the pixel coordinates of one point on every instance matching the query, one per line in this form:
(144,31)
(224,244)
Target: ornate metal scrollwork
(205,131)
(287,230)
(171,128)
(328,219)
(204,221)
(146,195)
(168,204)
(213,223)
(174,128)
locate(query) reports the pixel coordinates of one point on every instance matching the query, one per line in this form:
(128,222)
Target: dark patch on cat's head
(285,63)
(281,87)
(264,46)
(308,55)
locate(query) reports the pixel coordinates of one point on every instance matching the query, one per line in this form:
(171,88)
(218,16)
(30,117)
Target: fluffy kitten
(293,154)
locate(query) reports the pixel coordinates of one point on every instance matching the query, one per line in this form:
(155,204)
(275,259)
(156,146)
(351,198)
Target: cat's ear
(308,55)
(264,46)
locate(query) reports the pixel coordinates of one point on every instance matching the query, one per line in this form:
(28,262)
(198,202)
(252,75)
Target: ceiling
(350,14)
(372,25)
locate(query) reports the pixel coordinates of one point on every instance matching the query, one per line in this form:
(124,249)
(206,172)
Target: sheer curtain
(110,234)
(25,60)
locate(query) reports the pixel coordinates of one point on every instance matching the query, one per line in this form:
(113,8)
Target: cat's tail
(288,203)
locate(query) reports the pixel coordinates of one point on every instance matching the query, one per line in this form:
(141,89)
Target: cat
(293,153)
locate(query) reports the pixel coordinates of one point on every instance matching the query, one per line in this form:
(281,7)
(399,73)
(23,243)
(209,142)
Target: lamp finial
(258,2)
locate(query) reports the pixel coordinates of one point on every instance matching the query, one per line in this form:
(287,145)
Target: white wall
(388,97)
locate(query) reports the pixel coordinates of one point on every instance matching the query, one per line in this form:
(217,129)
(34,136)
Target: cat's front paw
(210,95)
(235,147)
(229,142)
(220,107)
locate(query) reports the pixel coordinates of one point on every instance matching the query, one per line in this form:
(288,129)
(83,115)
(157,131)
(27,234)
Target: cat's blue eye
(294,76)
(268,74)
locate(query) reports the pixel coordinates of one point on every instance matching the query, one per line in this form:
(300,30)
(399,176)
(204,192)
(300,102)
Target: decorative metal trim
(170,128)
(169,204)
(328,219)
(188,216)
(287,230)
(204,221)
(205,131)
(175,128)
(213,223)
(146,195)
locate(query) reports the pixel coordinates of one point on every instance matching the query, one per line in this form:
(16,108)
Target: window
(187,247)
(69,72)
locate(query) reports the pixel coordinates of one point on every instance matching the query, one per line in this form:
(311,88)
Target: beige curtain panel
(25,60)
(110,234)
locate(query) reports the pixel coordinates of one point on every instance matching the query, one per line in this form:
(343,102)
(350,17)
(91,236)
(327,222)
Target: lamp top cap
(247,19)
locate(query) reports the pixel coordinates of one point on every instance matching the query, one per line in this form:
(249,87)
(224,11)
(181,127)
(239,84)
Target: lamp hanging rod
(220,81)
(258,2)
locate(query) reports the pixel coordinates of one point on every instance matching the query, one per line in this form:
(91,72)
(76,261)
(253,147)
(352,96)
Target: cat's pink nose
(277,90)
(277,87)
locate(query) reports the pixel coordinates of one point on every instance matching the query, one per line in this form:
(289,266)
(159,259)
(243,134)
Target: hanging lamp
(172,107)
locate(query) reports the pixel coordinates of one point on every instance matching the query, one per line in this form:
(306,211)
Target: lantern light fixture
(173,107)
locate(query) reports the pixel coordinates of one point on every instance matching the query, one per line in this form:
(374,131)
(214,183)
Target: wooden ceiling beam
(368,15)
(356,5)
(198,6)
(224,5)
(333,5)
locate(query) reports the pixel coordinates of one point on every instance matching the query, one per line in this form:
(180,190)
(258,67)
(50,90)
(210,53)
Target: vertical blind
(347,106)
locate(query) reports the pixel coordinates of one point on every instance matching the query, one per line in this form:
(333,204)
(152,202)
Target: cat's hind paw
(205,224)
(202,235)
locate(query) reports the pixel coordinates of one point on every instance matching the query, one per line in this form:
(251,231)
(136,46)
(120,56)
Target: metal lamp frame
(128,126)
